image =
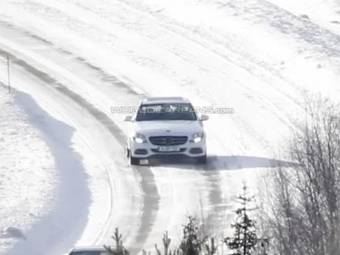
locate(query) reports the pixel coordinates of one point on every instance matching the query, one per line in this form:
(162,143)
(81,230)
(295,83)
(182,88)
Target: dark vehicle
(89,251)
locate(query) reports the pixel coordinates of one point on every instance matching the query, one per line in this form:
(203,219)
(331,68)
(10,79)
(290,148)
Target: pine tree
(192,241)
(119,249)
(244,239)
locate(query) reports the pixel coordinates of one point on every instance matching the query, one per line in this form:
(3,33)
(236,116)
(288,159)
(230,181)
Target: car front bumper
(146,150)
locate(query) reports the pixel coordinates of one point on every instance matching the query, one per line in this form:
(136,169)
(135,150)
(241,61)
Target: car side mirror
(204,117)
(128,118)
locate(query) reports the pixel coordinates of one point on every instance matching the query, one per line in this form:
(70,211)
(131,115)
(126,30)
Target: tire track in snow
(213,180)
(239,63)
(177,28)
(215,191)
(238,58)
(241,59)
(215,194)
(249,131)
(147,182)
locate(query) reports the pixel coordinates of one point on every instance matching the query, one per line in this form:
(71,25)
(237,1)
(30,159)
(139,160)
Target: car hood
(167,127)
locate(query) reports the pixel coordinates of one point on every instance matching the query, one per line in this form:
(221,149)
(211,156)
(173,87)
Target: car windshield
(168,111)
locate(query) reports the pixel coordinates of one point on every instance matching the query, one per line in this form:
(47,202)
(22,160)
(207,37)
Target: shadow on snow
(66,218)
(232,162)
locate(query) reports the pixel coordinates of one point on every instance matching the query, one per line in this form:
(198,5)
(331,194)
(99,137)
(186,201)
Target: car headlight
(139,138)
(197,137)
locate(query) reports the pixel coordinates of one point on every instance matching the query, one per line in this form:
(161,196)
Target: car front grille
(168,140)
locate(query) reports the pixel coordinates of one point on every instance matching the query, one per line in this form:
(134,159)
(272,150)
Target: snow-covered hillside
(73,60)
(28,175)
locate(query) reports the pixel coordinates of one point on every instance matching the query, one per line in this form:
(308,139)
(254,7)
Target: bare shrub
(305,217)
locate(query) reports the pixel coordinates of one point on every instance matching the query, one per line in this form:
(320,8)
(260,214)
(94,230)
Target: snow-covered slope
(258,57)
(325,13)
(28,176)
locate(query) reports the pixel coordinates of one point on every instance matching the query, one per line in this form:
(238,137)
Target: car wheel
(202,160)
(134,161)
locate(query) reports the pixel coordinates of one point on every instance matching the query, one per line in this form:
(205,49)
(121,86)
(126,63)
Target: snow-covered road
(72,60)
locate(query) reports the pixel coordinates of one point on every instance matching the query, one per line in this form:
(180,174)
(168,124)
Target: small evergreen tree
(244,240)
(192,241)
(119,249)
(166,243)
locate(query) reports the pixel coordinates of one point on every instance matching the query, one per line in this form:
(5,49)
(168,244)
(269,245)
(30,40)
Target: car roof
(158,100)
(88,248)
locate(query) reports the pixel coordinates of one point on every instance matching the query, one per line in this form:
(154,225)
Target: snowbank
(27,173)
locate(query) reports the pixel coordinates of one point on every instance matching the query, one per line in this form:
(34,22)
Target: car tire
(202,160)
(134,161)
(127,153)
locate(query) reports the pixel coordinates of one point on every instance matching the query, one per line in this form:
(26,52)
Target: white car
(166,126)
(100,250)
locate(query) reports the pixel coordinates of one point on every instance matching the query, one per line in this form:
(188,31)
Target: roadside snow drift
(27,172)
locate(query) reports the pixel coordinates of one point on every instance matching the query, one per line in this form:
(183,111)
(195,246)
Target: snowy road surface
(72,61)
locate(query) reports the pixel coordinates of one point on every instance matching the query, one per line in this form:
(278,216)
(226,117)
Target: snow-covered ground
(73,60)
(28,177)
(325,13)
(80,206)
